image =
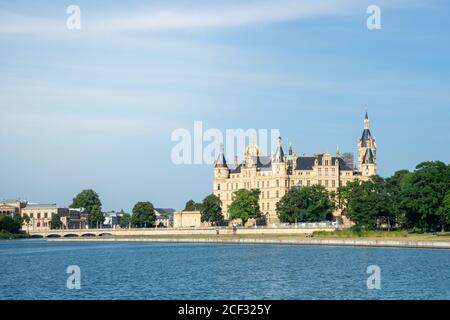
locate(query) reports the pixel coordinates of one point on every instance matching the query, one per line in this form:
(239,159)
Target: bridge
(145,232)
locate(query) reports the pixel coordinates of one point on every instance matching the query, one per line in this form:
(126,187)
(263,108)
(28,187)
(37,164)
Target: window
(278,194)
(263,205)
(320,182)
(268,194)
(39,215)
(308,183)
(333,183)
(277,183)
(31,215)
(320,171)
(333,171)
(46,215)
(326,171)
(218,186)
(268,206)
(326,183)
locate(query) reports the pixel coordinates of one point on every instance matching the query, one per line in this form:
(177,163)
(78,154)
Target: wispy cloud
(173,18)
(228,16)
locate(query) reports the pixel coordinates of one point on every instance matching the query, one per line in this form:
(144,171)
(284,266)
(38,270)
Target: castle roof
(307,162)
(366,135)
(368,157)
(221,161)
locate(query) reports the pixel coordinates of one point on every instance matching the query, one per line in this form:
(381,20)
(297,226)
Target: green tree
(394,186)
(446,208)
(245,205)
(423,195)
(125,220)
(55,222)
(86,199)
(10,224)
(26,220)
(306,204)
(367,203)
(96,217)
(211,210)
(143,214)
(191,205)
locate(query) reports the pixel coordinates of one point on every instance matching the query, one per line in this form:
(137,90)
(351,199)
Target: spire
(366,122)
(279,154)
(221,162)
(338,153)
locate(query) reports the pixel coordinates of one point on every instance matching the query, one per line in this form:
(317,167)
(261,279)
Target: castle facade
(274,175)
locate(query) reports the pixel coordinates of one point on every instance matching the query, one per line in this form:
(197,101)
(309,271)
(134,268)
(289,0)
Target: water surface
(36,269)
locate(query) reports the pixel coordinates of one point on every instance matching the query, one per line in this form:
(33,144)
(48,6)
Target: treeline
(417,200)
(142,216)
(10,227)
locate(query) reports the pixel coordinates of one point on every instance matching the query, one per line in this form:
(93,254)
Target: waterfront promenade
(305,229)
(320,242)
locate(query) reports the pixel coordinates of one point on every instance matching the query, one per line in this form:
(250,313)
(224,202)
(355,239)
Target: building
(164,217)
(12,207)
(41,215)
(112,219)
(275,175)
(185,219)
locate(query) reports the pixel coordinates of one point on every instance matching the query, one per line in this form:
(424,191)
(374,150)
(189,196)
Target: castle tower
(367,151)
(221,170)
(278,163)
(221,174)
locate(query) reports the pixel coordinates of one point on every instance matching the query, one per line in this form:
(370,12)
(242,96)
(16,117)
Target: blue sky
(95,108)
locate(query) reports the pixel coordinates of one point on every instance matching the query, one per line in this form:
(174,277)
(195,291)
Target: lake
(36,269)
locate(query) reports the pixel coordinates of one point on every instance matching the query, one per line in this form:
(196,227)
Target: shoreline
(304,242)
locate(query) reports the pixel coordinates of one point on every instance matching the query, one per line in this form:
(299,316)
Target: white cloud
(230,15)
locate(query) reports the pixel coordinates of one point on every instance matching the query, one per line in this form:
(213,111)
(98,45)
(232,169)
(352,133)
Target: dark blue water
(36,269)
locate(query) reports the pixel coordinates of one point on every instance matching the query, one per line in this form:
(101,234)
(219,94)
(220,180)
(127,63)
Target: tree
(446,207)
(143,214)
(191,205)
(367,203)
(86,199)
(10,225)
(211,209)
(125,220)
(27,220)
(96,217)
(394,186)
(55,222)
(245,205)
(423,194)
(305,204)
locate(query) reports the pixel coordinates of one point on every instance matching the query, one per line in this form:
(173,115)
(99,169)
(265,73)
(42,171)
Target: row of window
(38,215)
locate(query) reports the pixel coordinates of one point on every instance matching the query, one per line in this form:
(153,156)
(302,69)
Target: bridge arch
(88,235)
(53,235)
(71,235)
(105,234)
(36,236)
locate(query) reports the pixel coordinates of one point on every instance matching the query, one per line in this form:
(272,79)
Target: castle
(275,175)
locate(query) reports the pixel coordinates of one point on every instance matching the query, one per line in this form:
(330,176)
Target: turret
(367,151)
(221,169)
